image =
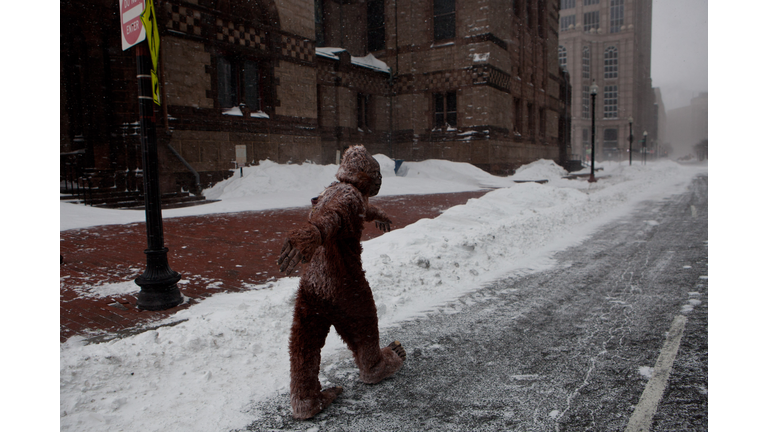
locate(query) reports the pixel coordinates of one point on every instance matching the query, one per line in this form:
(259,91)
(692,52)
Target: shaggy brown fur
(333,290)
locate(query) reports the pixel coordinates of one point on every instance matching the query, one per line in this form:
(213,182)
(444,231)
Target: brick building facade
(293,81)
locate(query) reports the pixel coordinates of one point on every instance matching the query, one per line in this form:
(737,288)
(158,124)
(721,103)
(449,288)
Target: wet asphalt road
(568,349)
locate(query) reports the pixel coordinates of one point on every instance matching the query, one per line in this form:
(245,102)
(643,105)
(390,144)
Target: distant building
(608,42)
(688,126)
(298,80)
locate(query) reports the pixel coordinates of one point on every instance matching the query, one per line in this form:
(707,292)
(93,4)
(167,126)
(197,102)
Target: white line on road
(649,400)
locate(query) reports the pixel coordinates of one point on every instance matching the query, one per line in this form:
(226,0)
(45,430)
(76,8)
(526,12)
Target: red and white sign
(131,28)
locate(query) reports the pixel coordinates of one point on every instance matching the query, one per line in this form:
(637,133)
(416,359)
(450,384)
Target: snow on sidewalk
(230,351)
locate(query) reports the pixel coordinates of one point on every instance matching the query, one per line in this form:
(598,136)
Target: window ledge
(235,111)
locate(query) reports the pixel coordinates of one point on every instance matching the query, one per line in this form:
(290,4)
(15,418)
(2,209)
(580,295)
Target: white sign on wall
(240,155)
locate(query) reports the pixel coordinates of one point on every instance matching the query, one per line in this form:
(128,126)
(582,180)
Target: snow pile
(269,177)
(205,367)
(269,185)
(540,170)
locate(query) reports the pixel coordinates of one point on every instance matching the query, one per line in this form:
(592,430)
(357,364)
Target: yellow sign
(155,88)
(149,19)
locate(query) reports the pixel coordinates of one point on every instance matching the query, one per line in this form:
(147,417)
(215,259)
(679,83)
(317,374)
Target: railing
(72,178)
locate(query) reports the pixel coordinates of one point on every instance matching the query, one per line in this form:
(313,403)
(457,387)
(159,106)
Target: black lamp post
(593,92)
(645,149)
(630,141)
(158,283)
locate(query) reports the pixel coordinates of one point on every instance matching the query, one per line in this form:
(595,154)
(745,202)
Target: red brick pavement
(214,253)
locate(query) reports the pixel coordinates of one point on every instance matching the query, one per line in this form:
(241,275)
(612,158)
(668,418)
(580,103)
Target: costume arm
(380,218)
(323,226)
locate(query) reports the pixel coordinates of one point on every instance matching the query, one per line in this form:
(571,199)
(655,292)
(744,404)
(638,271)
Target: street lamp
(645,150)
(630,141)
(593,92)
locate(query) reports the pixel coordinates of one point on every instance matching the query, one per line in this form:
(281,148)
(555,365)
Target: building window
(567,4)
(611,98)
(585,138)
(611,144)
(319,24)
(617,15)
(542,14)
(375,25)
(363,111)
(585,104)
(611,62)
(517,126)
(562,57)
(543,122)
(445,109)
(529,13)
(444,19)
(238,82)
(567,21)
(591,20)
(585,63)
(531,120)
(591,2)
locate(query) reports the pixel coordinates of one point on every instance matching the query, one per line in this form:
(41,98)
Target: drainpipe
(392,75)
(198,190)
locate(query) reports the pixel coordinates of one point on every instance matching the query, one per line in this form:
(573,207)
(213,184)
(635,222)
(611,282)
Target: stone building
(608,42)
(293,81)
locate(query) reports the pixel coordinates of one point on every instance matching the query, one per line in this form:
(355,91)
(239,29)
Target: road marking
(649,400)
(693,211)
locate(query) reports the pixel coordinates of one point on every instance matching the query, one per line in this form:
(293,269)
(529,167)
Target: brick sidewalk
(214,253)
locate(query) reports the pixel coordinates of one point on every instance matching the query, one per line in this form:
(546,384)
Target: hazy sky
(679,50)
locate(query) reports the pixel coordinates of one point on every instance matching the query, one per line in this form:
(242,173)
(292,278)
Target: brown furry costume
(333,289)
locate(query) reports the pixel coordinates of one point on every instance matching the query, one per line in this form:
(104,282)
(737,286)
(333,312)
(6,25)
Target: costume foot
(306,409)
(398,349)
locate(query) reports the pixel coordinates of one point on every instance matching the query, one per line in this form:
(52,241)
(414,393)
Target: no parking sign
(131,28)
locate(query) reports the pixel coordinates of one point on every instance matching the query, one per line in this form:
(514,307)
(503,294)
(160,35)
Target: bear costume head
(361,170)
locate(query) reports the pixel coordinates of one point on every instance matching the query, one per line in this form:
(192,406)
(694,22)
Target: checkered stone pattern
(445,80)
(325,73)
(238,34)
(486,75)
(373,83)
(405,84)
(297,48)
(184,19)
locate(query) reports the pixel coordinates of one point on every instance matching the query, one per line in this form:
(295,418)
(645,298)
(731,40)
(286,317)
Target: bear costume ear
(357,168)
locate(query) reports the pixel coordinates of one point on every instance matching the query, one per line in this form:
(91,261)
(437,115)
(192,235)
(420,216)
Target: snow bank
(269,185)
(205,367)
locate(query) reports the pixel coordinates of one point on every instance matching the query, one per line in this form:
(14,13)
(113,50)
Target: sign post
(158,282)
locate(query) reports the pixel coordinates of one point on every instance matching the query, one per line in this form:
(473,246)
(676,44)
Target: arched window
(585,62)
(611,62)
(562,57)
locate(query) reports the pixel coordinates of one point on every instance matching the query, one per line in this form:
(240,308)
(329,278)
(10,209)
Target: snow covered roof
(368,61)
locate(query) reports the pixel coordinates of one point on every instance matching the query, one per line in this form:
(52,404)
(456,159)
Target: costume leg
(308,333)
(358,326)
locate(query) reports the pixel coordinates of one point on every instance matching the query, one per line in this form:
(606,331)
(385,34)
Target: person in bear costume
(333,290)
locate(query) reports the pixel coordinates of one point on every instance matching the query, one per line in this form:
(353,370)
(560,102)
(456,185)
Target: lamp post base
(158,283)
(592,178)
